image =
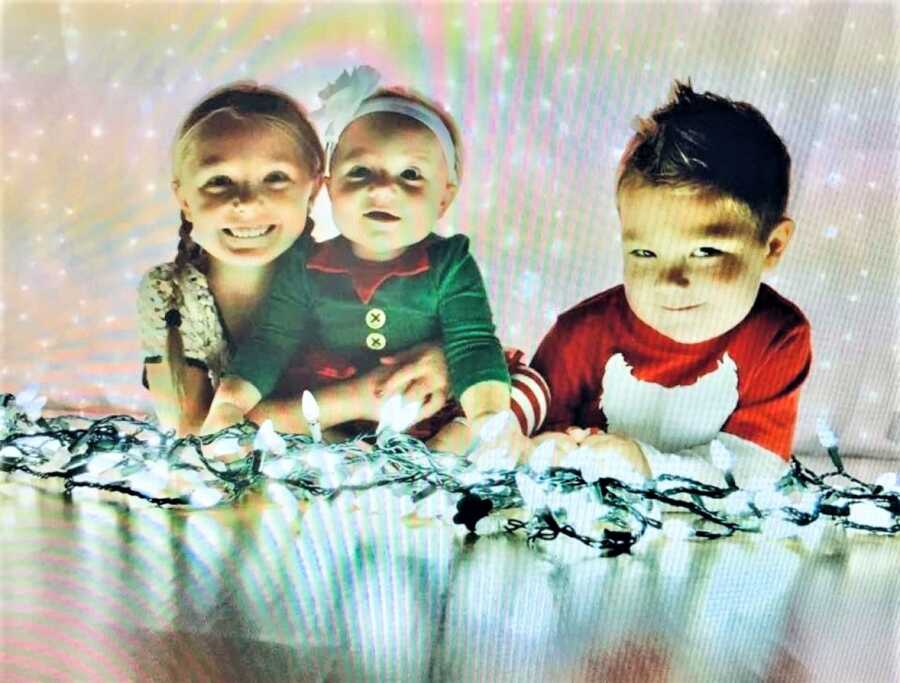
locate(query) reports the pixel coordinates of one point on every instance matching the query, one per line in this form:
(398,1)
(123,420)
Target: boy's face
(245,190)
(692,266)
(387,190)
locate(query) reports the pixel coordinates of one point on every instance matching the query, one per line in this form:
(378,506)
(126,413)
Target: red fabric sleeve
(558,360)
(766,413)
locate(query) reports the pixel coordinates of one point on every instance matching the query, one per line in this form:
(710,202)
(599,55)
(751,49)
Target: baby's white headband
(342,104)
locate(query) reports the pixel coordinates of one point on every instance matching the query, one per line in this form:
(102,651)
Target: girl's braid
(188,252)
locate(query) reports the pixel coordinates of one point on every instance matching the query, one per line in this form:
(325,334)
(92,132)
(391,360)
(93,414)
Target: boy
(691,348)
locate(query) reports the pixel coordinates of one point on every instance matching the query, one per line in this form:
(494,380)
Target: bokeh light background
(544,93)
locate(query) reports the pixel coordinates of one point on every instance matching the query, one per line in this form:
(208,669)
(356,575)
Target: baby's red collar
(336,256)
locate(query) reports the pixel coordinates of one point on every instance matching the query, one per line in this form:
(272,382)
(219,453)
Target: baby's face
(387,190)
(692,267)
(245,190)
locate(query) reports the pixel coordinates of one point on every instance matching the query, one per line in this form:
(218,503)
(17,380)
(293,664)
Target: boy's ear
(185,208)
(778,241)
(447,198)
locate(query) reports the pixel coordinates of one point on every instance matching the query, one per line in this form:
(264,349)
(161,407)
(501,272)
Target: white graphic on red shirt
(669,418)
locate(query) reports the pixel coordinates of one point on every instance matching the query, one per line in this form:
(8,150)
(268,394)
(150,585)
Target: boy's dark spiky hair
(715,145)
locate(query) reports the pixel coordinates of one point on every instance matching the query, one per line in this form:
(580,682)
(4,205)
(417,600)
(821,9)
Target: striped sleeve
(529,397)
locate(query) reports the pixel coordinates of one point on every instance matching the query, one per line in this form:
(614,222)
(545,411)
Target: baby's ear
(447,198)
(185,208)
(778,241)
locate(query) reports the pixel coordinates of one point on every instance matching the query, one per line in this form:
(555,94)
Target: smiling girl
(247,164)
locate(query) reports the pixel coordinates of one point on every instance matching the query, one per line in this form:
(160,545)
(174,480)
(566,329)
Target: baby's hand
(504,448)
(612,445)
(419,374)
(453,437)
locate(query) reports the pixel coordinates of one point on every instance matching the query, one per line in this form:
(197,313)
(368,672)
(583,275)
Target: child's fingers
(564,445)
(523,447)
(397,381)
(419,390)
(433,403)
(580,434)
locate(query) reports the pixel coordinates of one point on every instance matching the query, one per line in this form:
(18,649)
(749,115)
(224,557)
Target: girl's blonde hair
(247,101)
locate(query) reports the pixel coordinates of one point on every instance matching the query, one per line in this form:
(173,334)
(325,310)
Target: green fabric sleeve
(471,347)
(278,328)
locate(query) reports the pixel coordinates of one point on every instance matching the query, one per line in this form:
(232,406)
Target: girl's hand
(220,417)
(418,374)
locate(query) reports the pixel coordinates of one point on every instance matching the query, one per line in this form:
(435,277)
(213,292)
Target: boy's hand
(579,434)
(608,444)
(564,443)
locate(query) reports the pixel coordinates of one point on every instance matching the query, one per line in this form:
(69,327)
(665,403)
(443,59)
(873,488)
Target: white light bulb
(397,414)
(889,481)
(770,499)
(226,446)
(494,426)
(488,526)
(677,530)
(103,461)
(542,457)
(721,456)
(827,437)
(737,503)
(281,495)
(777,527)
(56,462)
(205,497)
(278,469)
(532,494)
(870,514)
(268,440)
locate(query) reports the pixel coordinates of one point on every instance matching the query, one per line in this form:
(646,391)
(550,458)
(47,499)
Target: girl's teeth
(249,232)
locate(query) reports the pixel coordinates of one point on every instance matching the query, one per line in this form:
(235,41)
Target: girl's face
(387,190)
(245,189)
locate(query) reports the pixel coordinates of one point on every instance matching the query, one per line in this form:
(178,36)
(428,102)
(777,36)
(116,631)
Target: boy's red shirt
(608,369)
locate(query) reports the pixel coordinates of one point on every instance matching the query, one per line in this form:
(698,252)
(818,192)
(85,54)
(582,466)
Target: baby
(387,282)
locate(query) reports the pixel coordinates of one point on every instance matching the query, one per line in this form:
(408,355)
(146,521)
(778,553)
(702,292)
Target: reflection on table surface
(98,591)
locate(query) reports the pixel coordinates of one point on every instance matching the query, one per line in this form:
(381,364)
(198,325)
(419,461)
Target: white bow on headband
(342,102)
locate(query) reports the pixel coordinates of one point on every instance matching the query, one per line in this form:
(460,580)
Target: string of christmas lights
(602,503)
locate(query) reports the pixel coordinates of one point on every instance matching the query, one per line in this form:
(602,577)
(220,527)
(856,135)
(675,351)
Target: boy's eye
(411,174)
(217,183)
(277,177)
(706,252)
(358,172)
(642,253)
